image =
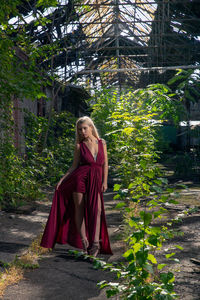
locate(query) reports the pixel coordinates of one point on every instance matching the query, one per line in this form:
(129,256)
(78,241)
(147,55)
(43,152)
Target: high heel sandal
(95,249)
(85,244)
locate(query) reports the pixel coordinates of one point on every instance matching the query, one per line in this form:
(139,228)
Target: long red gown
(86,178)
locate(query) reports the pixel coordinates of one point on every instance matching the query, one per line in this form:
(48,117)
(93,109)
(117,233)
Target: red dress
(86,178)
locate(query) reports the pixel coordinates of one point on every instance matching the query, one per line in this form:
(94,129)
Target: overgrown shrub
(51,162)
(131,134)
(17,184)
(21,178)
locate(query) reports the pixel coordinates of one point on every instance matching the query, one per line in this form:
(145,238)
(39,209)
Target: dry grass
(35,247)
(10,276)
(29,260)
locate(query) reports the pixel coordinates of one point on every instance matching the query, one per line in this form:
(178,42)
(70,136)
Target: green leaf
(146,217)
(135,219)
(167,277)
(153,240)
(141,257)
(129,255)
(134,222)
(195,91)
(169,255)
(120,205)
(164,198)
(102,284)
(116,197)
(41,95)
(130,185)
(157,188)
(159,182)
(164,180)
(47,3)
(111,293)
(159,212)
(137,247)
(128,130)
(97,264)
(138,235)
(131,267)
(155,230)
(161,266)
(152,258)
(173,201)
(116,187)
(149,174)
(189,96)
(135,200)
(176,78)
(128,209)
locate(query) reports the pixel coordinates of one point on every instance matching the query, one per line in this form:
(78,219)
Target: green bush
(130,123)
(17,185)
(51,162)
(22,178)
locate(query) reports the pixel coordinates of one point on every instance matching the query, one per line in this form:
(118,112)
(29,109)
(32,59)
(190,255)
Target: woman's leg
(79,217)
(98,224)
(95,247)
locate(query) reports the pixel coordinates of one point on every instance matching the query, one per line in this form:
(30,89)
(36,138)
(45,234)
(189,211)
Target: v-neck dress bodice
(96,154)
(87,178)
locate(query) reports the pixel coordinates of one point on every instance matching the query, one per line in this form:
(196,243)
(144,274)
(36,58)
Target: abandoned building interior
(110,43)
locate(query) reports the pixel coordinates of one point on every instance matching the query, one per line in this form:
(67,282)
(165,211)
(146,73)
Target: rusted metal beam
(137,22)
(134,4)
(137,69)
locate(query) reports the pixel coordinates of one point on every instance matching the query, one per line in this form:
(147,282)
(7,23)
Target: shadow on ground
(60,276)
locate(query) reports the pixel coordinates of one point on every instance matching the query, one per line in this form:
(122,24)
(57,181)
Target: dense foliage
(20,78)
(21,178)
(50,163)
(131,121)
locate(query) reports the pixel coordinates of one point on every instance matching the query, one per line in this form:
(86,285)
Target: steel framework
(116,42)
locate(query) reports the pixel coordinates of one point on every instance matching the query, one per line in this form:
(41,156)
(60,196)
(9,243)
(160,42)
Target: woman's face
(84,130)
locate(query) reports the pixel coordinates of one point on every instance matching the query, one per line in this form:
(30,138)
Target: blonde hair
(89,122)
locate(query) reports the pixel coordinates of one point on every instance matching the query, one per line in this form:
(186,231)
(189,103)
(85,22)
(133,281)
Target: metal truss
(116,42)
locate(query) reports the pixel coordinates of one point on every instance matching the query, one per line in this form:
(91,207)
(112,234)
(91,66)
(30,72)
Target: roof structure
(116,42)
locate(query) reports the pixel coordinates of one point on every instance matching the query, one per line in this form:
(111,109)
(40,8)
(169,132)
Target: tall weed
(130,123)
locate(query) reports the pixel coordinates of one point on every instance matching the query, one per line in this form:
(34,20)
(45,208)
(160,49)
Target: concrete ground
(60,275)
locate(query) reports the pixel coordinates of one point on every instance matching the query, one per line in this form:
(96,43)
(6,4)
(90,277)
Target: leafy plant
(142,191)
(49,164)
(16,182)
(20,79)
(186,84)
(142,277)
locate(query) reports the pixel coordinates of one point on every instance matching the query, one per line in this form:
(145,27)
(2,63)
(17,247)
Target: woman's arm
(75,164)
(105,168)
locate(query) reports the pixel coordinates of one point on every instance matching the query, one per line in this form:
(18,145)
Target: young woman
(77,215)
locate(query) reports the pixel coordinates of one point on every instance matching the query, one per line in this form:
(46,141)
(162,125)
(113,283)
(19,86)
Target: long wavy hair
(89,122)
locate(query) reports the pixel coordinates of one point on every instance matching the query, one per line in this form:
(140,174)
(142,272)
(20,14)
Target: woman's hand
(104,187)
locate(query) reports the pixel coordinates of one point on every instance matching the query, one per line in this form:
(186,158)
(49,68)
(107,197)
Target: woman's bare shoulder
(103,141)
